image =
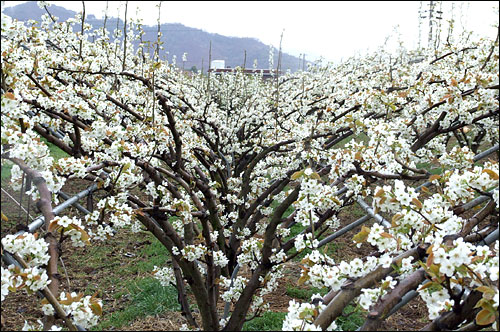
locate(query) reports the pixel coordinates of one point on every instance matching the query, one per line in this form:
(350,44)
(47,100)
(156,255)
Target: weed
(55,152)
(269,321)
(304,293)
(147,298)
(352,318)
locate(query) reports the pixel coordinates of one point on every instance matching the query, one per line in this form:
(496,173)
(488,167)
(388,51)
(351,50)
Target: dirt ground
(20,306)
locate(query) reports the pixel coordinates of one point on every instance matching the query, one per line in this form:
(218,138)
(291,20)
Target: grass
(143,295)
(352,318)
(356,211)
(150,256)
(360,137)
(6,167)
(269,321)
(304,293)
(294,231)
(55,152)
(430,168)
(147,298)
(288,211)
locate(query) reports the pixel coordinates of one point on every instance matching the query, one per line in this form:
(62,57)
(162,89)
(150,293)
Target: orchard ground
(120,270)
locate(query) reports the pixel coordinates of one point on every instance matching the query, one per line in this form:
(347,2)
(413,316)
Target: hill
(177,39)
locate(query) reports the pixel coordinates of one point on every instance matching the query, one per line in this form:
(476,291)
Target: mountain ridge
(178,39)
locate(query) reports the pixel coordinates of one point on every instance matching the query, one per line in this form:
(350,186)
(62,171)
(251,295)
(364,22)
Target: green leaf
(362,235)
(485,317)
(302,279)
(296,175)
(417,203)
(125,167)
(315,176)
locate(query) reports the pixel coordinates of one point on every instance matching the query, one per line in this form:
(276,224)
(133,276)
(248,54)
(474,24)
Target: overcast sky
(329,29)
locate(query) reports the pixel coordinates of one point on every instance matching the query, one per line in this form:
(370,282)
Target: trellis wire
(372,213)
(38,222)
(364,205)
(477,157)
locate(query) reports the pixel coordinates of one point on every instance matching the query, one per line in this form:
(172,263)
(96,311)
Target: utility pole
(431,9)
(420,17)
(434,19)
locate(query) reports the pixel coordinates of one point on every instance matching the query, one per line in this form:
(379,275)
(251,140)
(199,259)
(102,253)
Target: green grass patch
(352,318)
(287,212)
(145,296)
(55,152)
(269,321)
(6,167)
(359,138)
(304,293)
(150,256)
(356,211)
(430,168)
(148,298)
(294,231)
(145,258)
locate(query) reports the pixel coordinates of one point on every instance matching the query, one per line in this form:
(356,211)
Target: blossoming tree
(218,161)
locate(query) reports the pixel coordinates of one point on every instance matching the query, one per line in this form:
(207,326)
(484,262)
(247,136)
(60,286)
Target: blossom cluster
(38,327)
(120,215)
(71,227)
(300,316)
(165,275)
(233,292)
(83,310)
(33,250)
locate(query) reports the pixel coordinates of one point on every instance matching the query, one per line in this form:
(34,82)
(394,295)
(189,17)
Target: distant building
(218,67)
(218,64)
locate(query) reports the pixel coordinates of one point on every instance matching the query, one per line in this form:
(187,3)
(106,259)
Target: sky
(331,30)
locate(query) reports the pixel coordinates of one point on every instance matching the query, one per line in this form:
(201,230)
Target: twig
(65,271)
